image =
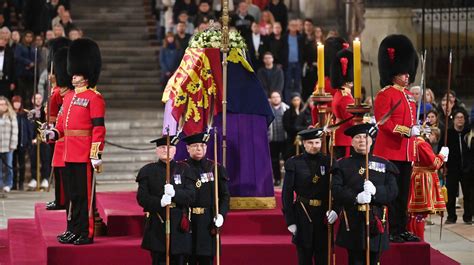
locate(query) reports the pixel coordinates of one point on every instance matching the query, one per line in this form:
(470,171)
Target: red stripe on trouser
(62,198)
(89,197)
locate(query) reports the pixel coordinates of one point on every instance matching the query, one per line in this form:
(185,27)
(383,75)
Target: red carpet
(248,238)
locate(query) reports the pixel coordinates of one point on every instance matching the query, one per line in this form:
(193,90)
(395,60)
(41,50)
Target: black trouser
(79,181)
(398,217)
(45,161)
(357,257)
(306,256)
(19,156)
(201,260)
(59,194)
(276,149)
(66,186)
(159,258)
(452,184)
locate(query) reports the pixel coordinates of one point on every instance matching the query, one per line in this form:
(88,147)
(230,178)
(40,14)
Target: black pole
(458,39)
(449,25)
(466,50)
(432,38)
(423,26)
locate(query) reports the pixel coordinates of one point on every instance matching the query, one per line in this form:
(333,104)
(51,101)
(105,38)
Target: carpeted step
(4,247)
(25,242)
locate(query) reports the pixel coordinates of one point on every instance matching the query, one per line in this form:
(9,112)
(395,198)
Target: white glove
(165,200)
(331,216)
(48,134)
(415,130)
(364,197)
(445,153)
(169,190)
(369,187)
(96,163)
(219,220)
(292,229)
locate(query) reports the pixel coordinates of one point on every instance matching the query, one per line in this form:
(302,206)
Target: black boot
(84,240)
(69,239)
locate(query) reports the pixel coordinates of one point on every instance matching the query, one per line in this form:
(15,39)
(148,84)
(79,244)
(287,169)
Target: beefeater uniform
(348,182)
(342,72)
(83,129)
(425,189)
(58,56)
(394,140)
(151,181)
(307,176)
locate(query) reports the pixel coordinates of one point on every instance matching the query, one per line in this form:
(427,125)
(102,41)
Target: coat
(348,181)
(8,133)
(307,176)
(151,180)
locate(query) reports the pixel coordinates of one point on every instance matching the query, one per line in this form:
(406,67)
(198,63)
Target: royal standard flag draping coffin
(195,91)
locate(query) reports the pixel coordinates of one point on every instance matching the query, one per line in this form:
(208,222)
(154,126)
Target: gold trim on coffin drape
(252,203)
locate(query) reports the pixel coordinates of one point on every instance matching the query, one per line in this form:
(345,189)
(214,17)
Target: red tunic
(393,139)
(425,190)
(339,108)
(82,125)
(56,102)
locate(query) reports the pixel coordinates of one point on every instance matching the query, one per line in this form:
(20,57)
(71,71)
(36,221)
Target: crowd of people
(24,85)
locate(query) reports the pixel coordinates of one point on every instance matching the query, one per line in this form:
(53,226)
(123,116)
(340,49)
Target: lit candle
(357,70)
(320,68)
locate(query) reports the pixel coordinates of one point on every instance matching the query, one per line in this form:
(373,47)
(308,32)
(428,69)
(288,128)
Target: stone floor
(457,239)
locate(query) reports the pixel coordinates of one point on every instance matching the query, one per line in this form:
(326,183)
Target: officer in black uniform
(307,175)
(352,192)
(154,195)
(204,220)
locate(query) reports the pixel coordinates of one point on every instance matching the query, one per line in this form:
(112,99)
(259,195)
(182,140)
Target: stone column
(380,22)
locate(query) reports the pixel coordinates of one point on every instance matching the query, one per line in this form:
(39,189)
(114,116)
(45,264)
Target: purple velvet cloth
(248,155)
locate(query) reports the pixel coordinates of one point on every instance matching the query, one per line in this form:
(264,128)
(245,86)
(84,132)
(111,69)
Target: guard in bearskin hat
(331,47)
(84,133)
(61,83)
(342,78)
(398,62)
(154,195)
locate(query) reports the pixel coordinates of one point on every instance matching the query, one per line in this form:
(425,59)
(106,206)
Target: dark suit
(7,76)
(256,53)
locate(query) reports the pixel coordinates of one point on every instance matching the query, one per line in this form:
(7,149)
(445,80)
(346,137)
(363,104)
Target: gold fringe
(252,203)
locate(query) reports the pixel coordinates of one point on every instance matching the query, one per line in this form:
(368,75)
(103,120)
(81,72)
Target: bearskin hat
(63,79)
(331,46)
(342,68)
(84,59)
(396,56)
(54,45)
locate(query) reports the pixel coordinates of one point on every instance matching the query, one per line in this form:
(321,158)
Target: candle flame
(357,39)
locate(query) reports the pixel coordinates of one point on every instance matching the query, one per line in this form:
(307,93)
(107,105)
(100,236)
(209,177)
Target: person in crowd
(256,45)
(293,68)
(43,52)
(56,20)
(425,107)
(187,6)
(7,70)
(184,18)
(279,11)
(266,23)
(6,34)
(74,34)
(25,134)
(169,57)
(307,215)
(270,75)
(25,66)
(204,14)
(444,111)
(58,31)
(242,20)
(277,45)
(66,22)
(254,10)
(425,189)
(432,119)
(435,138)
(277,135)
(430,98)
(38,115)
(182,38)
(8,142)
(15,40)
(290,118)
(204,220)
(354,193)
(318,35)
(52,8)
(49,35)
(154,195)
(310,69)
(459,167)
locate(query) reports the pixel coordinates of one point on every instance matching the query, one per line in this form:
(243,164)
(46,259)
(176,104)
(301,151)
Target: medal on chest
(198,184)
(361,171)
(177,179)
(315,179)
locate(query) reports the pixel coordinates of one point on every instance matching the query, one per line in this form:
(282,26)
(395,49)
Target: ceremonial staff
(216,196)
(367,205)
(50,86)
(38,136)
(331,251)
(168,177)
(422,87)
(446,120)
(224,50)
